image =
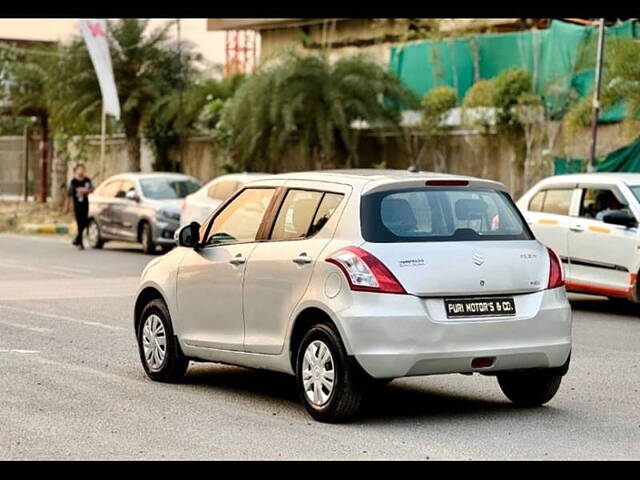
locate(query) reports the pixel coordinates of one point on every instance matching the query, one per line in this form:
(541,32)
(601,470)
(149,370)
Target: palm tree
(304,99)
(178,114)
(145,68)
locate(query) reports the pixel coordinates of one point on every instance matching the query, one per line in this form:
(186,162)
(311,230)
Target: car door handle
(302,259)
(576,228)
(238,260)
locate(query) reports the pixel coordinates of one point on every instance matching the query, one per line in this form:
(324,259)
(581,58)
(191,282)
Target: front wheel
(160,353)
(529,389)
(93,235)
(329,387)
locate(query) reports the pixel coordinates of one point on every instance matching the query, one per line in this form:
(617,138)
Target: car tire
(146,238)
(155,331)
(344,398)
(93,235)
(529,389)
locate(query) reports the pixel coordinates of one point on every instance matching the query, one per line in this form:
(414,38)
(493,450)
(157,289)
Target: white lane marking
(17,350)
(40,270)
(63,318)
(26,327)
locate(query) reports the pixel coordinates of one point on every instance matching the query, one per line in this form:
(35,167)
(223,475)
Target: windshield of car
(166,188)
(441,214)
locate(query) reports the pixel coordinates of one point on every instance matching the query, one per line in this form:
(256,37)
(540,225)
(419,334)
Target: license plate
(480,307)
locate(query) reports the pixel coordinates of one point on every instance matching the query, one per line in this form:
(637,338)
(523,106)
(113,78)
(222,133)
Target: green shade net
(624,159)
(562,166)
(553,56)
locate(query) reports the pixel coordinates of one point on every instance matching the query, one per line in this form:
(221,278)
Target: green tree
(146,67)
(306,99)
(620,82)
(179,114)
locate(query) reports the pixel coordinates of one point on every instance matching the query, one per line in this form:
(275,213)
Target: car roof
(628,178)
(364,175)
(140,175)
(246,176)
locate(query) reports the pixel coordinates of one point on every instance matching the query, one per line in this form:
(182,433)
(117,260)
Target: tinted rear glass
(441,214)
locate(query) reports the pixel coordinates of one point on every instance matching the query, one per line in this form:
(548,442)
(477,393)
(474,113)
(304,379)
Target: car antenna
(413,169)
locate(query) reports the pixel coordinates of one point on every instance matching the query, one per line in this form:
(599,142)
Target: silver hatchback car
(138,207)
(349,279)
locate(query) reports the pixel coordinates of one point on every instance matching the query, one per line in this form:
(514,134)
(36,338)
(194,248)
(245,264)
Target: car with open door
(349,279)
(591,221)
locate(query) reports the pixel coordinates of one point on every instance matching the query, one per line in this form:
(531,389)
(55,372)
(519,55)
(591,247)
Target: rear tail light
(447,183)
(365,272)
(556,275)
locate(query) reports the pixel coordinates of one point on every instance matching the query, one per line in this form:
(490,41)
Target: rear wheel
(329,387)
(146,238)
(93,235)
(529,389)
(160,353)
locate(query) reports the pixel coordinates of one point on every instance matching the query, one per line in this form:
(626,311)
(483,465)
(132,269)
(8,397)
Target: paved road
(71,386)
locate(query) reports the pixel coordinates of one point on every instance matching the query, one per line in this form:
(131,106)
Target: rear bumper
(418,339)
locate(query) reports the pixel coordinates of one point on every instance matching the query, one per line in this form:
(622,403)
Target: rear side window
(296,214)
(557,202)
(109,189)
(441,214)
(328,205)
(536,203)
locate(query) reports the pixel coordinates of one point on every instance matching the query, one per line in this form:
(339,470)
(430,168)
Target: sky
(209,44)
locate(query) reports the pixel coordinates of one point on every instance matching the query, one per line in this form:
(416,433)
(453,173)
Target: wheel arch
(303,321)
(146,295)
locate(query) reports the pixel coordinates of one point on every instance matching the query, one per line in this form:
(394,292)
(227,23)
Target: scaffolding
(240,51)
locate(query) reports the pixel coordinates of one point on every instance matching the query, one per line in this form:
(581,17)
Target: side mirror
(619,217)
(189,235)
(132,195)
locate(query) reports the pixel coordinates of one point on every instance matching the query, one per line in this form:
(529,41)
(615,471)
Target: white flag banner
(94,32)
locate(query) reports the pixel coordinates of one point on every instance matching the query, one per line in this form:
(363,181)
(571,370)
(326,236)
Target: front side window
(441,214)
(167,188)
(240,220)
(296,214)
(597,202)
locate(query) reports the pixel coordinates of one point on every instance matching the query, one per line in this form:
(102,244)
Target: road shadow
(622,308)
(401,401)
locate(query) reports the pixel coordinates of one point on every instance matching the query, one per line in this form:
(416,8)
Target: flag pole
(102,142)
(596,97)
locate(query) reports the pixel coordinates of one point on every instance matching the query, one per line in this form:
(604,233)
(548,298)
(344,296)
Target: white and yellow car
(591,221)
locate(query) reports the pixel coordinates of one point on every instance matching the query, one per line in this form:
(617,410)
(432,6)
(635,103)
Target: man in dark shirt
(79,190)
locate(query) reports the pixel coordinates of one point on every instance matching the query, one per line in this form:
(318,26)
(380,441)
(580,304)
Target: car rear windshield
(168,188)
(439,214)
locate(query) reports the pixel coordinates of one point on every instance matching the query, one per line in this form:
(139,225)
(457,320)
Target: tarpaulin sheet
(554,56)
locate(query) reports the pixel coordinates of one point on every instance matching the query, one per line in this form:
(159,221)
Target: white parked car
(199,205)
(348,279)
(591,221)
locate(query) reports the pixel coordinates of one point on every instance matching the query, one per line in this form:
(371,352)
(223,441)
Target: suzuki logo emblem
(478,259)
